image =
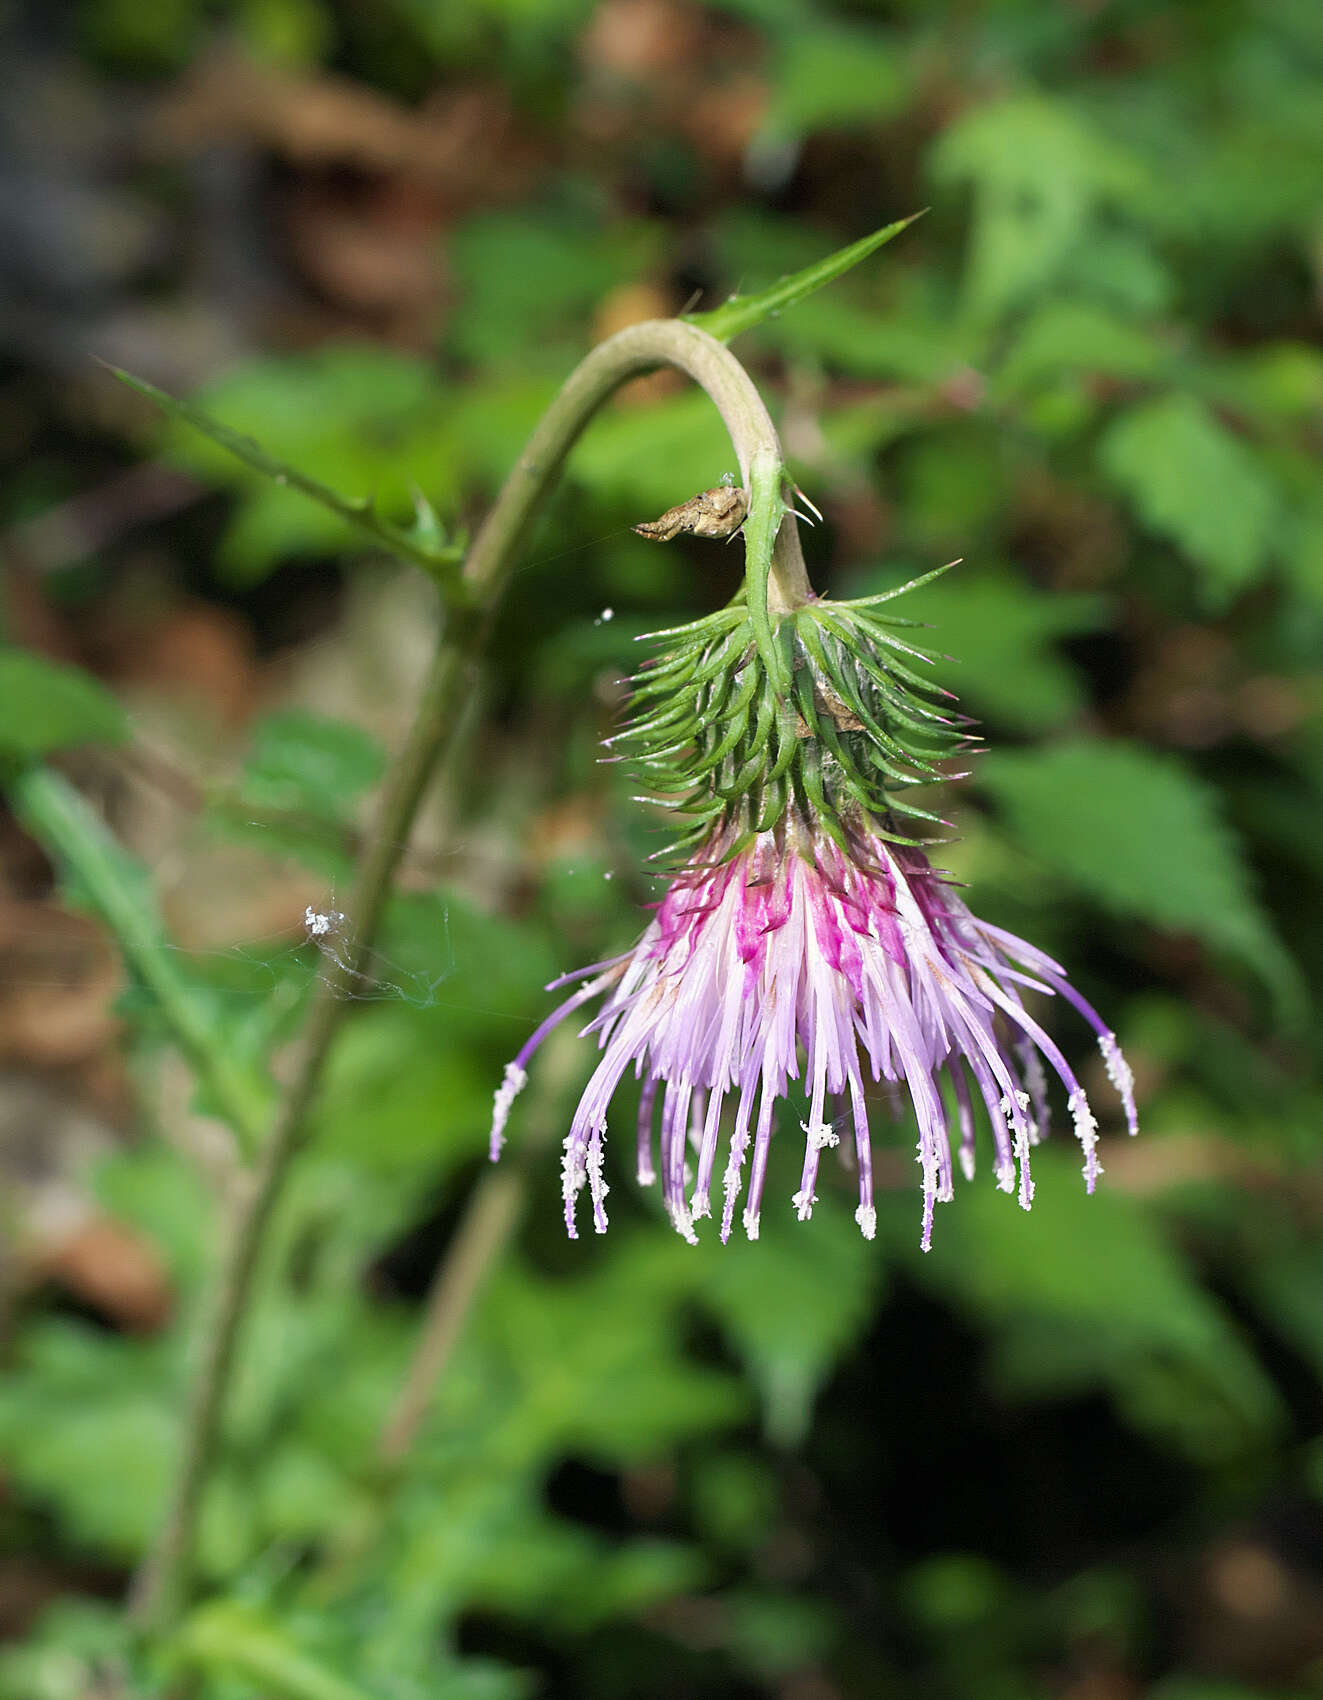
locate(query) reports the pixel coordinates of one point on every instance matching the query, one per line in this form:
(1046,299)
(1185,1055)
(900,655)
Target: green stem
(165,1580)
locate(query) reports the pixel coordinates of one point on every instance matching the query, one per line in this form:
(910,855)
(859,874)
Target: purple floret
(794,954)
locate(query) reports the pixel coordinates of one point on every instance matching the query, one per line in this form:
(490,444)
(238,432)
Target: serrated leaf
(1142,836)
(743,312)
(1087,1289)
(440,560)
(1190,479)
(45,706)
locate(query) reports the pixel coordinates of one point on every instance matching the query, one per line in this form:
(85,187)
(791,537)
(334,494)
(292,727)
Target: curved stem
(638,349)
(165,1580)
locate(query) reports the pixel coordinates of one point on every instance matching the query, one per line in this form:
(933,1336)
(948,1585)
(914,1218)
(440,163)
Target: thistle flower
(804,938)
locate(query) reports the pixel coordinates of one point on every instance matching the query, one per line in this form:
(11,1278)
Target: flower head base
(804,939)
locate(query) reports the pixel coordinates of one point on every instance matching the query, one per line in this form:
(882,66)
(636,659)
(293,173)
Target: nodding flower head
(804,940)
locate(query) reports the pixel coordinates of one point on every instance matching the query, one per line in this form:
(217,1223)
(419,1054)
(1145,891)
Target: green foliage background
(1073,1454)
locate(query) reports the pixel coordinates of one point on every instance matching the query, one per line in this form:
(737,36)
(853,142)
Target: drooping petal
(791,959)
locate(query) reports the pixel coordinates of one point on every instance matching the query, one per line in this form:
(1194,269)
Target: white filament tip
(511,1086)
(683,1224)
(1118,1072)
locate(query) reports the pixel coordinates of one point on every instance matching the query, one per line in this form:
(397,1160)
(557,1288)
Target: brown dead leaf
(376,251)
(662,65)
(111,1267)
(195,650)
(464,141)
(722,120)
(640,39)
(58,978)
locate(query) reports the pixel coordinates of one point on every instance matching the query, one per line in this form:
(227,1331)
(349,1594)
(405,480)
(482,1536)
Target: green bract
(719,743)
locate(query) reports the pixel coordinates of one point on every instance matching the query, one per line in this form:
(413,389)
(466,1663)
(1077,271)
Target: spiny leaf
(422,542)
(743,312)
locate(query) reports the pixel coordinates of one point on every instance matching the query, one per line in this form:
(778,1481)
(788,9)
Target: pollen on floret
(866,1216)
(597,1186)
(683,1223)
(1086,1131)
(511,1086)
(1119,1073)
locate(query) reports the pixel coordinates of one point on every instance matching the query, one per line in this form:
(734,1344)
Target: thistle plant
(804,936)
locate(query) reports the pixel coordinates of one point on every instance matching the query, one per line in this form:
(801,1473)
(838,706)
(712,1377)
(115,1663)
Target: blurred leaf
(834,77)
(1078,336)
(300,760)
(952,1591)
(103,876)
(617,1389)
(405,1093)
(1302,545)
(84,1430)
(1286,1285)
(1088,1288)
(1001,632)
(791,1303)
(1038,170)
(952,482)
(778,1632)
(1281,380)
(421,542)
(234,1637)
(1190,479)
(647,458)
(529,285)
(1142,836)
(45,706)
(156,1189)
(743,312)
(912,345)
(76,1644)
(1119,269)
